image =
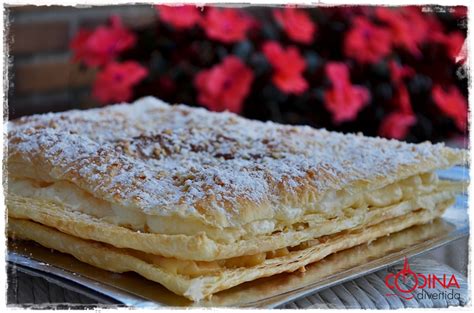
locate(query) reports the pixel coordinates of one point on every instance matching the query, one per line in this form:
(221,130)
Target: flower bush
(387,71)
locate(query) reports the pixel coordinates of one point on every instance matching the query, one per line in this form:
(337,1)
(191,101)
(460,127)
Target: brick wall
(41,76)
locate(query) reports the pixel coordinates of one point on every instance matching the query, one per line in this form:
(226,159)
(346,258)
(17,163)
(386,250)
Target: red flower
(224,86)
(435,27)
(454,46)
(288,66)
(399,72)
(343,99)
(98,47)
(453,43)
(114,83)
(297,24)
(452,103)
(180,17)
(226,25)
(338,74)
(459,11)
(366,42)
(397,125)
(345,104)
(402,97)
(407,26)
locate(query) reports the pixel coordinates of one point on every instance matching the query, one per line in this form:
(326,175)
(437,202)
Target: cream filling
(436,201)
(333,204)
(193,268)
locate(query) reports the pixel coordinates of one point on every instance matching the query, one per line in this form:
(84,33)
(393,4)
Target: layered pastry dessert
(201,202)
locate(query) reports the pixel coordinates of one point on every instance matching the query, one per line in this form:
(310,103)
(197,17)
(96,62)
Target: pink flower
(115,82)
(226,25)
(452,103)
(224,86)
(296,23)
(367,42)
(396,125)
(288,66)
(343,99)
(180,17)
(98,47)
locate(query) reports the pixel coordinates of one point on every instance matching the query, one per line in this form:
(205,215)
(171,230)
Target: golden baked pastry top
(216,168)
(201,202)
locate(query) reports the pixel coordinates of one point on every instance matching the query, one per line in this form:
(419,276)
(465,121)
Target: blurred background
(396,72)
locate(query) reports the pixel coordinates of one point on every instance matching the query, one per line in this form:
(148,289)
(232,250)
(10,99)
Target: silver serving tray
(132,290)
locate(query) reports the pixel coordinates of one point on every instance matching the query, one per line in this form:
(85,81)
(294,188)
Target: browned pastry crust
(197,288)
(215,168)
(200,247)
(206,188)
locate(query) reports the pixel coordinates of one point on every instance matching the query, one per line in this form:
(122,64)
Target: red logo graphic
(406,281)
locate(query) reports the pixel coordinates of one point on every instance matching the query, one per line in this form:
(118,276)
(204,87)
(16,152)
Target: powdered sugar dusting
(173,159)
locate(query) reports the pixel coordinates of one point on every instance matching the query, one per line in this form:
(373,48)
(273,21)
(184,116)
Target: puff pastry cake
(201,202)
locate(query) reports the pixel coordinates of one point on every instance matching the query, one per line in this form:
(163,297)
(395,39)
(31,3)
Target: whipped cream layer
(332,205)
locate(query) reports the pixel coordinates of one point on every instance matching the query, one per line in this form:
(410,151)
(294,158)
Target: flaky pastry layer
(211,169)
(202,248)
(74,198)
(120,260)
